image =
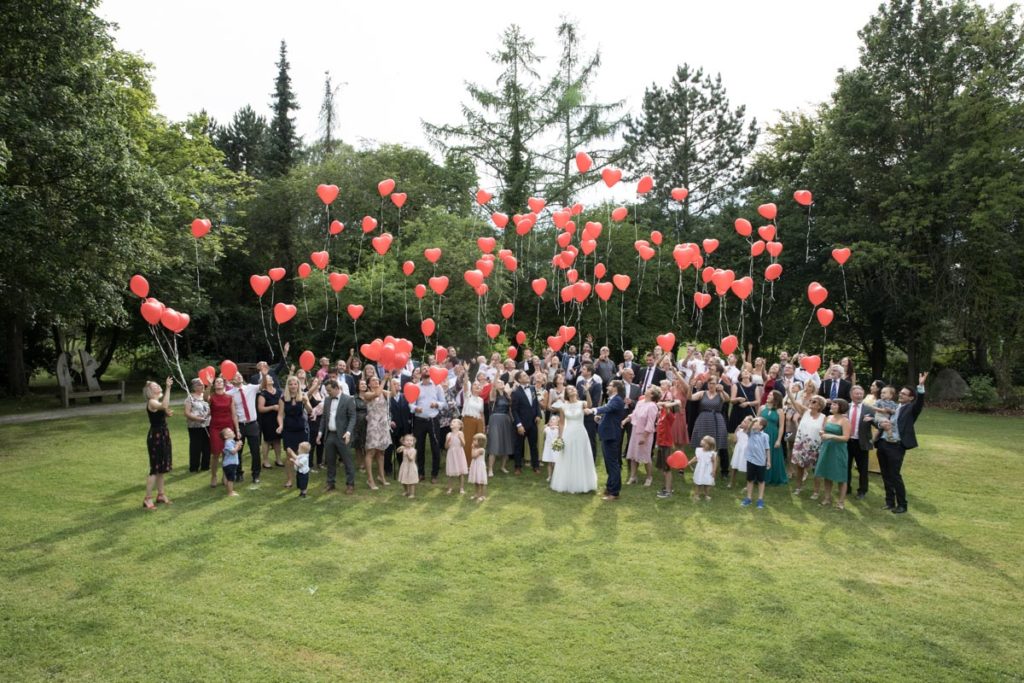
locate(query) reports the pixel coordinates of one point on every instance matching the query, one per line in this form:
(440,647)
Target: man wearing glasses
(891,454)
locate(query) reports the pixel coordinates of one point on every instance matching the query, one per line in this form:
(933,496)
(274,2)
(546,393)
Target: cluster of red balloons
(392,354)
(153,311)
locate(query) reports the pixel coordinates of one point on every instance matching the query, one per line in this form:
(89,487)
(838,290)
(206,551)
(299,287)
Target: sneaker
(664,494)
(760,505)
(745,503)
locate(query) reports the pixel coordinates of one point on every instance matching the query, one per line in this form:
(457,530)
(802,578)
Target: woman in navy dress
(292,422)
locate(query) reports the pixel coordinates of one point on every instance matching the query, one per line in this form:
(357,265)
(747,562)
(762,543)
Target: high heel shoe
(162,498)
(147,503)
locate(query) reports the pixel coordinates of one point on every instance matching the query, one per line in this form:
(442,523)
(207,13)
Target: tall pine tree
(243,142)
(688,135)
(283,142)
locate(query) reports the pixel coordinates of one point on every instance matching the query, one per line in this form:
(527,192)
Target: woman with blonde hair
(158,441)
(292,422)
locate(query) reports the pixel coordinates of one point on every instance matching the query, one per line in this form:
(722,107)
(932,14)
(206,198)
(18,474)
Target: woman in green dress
(832,455)
(776,475)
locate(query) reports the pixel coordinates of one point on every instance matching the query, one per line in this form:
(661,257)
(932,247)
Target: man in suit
(891,454)
(589,383)
(611,415)
(650,375)
(835,387)
(525,414)
(570,364)
(526,364)
(630,395)
(861,417)
(336,428)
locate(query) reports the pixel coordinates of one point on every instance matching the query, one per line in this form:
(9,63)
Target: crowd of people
(667,412)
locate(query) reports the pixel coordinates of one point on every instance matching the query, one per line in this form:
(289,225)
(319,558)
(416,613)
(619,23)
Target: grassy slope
(530,585)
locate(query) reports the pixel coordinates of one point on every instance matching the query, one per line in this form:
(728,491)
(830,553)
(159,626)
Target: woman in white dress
(574,471)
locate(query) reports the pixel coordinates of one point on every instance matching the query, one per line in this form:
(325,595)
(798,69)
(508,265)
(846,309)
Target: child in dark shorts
(758,460)
(230,461)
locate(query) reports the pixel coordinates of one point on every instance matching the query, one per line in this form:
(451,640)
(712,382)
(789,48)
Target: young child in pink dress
(478,467)
(455,459)
(408,473)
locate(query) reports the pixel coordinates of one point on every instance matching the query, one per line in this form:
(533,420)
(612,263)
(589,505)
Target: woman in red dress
(222,414)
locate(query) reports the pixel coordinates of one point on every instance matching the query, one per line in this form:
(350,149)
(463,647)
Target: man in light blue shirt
(425,423)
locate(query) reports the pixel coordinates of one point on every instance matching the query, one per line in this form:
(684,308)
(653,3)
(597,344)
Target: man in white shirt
(425,424)
(243,398)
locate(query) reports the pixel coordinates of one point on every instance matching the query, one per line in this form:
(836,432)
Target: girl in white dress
(739,452)
(550,434)
(574,471)
(707,464)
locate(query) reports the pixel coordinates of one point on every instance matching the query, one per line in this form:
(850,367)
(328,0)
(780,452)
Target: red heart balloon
(811,363)
(139,286)
(493,330)
(439,284)
(540,285)
(577,209)
(440,354)
(825,316)
(336,227)
(678,461)
(774,248)
(152,310)
(536,205)
(327,193)
(588,246)
(260,284)
(372,350)
(842,255)
(710,245)
(646,253)
(399,198)
(604,290)
(645,185)
(483,196)
(420,290)
(610,176)
(438,375)
(500,220)
(482,289)
(666,341)
(381,243)
(743,287)
(276,274)
(355,310)
(729,344)
(338,281)
(474,278)
(803,197)
(757,248)
(767,211)
(656,237)
(283,312)
(510,263)
(411,391)
(319,259)
(583,162)
(507,310)
(486,244)
(572,276)
(561,217)
(680,194)
(485,266)
(427,327)
(619,214)
(743,227)
(581,290)
(307,360)
(408,268)
(816,293)
(200,226)
(600,270)
(386,187)
(702,299)
(432,254)
(207,375)
(228,370)
(773,271)
(767,232)
(520,337)
(621,282)
(567,332)
(556,343)
(369,224)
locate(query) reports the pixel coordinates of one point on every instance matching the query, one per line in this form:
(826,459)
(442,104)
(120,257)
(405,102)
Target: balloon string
(801,345)
(263,322)
(337,319)
(305,304)
(160,347)
(355,333)
(536,324)
(622,317)
(405,304)
(807,245)
(199,289)
(327,306)
(846,296)
(760,317)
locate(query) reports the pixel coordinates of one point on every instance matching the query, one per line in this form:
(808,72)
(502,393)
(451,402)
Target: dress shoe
(861,496)
(887,507)
(899,510)
(350,489)
(609,497)
(331,487)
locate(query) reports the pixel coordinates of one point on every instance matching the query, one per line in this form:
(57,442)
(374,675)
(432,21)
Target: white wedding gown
(574,470)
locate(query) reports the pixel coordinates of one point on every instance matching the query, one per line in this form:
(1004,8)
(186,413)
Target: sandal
(278,464)
(648,481)
(162,498)
(147,503)
(840,506)
(826,502)
(814,496)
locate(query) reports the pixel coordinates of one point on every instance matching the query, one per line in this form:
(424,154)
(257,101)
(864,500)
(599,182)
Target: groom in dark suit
(891,454)
(525,413)
(336,427)
(611,415)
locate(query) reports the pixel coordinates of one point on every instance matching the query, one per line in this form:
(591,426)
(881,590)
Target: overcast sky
(401,62)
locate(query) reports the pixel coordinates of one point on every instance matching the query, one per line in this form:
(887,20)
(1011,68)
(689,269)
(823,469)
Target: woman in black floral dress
(158,442)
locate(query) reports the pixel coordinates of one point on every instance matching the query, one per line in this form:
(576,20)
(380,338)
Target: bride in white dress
(574,471)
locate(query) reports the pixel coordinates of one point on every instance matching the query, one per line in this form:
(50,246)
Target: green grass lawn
(529,586)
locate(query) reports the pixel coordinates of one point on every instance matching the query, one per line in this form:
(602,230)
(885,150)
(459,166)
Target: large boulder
(947,385)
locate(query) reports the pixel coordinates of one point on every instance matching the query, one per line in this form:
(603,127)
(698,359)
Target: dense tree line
(914,163)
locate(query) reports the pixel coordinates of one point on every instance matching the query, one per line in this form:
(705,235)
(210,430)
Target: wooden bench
(69,392)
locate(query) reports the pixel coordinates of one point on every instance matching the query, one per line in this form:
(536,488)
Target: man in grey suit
(336,427)
(861,419)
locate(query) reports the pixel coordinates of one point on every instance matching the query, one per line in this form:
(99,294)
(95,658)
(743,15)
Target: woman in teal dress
(832,455)
(776,475)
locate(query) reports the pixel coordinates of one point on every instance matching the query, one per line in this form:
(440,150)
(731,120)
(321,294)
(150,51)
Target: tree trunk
(108,353)
(17,378)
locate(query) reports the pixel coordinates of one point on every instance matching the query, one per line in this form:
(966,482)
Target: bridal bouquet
(558,445)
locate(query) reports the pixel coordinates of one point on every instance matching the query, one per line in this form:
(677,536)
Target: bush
(981,394)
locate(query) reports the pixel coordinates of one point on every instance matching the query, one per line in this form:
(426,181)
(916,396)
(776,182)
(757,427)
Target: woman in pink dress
(644,419)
